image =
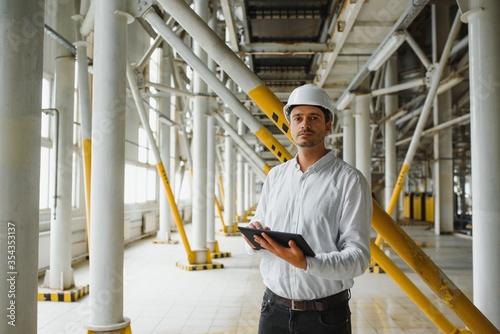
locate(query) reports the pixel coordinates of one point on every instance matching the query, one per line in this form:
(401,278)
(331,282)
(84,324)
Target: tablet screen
(280,237)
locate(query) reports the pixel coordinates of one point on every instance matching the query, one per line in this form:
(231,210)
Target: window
(140,183)
(144,154)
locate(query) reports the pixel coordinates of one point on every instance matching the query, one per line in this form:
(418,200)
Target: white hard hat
(308,95)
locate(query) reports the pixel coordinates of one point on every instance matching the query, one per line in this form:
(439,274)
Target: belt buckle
(299,305)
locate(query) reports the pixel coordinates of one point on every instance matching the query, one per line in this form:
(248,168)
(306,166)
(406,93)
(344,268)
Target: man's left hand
(292,254)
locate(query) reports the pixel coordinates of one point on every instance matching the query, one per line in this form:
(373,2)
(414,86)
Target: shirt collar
(318,165)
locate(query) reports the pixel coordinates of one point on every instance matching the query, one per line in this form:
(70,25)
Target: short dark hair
(328,114)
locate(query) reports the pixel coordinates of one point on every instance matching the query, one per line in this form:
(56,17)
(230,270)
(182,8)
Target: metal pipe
(350,11)
(459,46)
(406,117)
(228,60)
(424,115)
(187,148)
(60,39)
(55,146)
(230,25)
(260,167)
(402,24)
(88,22)
(281,49)
(167,89)
(418,50)
(458,120)
(159,164)
(143,62)
(398,87)
(226,95)
(430,273)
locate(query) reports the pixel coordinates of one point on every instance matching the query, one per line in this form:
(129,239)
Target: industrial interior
(135,137)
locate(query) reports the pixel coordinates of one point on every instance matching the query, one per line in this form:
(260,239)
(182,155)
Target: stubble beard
(310,144)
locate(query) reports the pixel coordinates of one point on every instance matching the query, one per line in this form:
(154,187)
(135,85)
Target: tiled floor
(161,298)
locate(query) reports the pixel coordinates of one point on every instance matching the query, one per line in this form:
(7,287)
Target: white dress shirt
(330,205)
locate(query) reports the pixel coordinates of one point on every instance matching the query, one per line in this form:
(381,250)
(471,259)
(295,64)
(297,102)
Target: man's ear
(328,127)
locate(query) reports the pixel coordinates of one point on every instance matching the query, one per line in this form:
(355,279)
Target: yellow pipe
(87,160)
(412,291)
(221,188)
(271,106)
(397,188)
(279,151)
(219,210)
(175,213)
(395,194)
(430,273)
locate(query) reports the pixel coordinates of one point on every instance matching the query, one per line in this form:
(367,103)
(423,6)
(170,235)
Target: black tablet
(280,237)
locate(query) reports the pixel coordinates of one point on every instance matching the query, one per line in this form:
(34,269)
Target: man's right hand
(256,225)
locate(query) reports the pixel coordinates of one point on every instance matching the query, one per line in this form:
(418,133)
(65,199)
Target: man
(329,203)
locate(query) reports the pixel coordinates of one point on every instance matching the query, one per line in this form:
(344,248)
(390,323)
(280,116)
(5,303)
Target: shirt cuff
(310,264)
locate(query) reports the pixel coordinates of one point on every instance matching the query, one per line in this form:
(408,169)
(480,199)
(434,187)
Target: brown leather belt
(322,304)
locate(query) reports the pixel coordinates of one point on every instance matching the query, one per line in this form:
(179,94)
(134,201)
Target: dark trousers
(278,319)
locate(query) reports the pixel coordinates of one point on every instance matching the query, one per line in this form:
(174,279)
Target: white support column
(108,161)
(443,141)
(60,274)
(230,174)
(240,183)
(211,156)
(251,189)
(175,167)
(246,183)
(199,144)
(211,173)
(363,147)
(391,105)
(165,219)
(20,121)
(484,52)
(349,141)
